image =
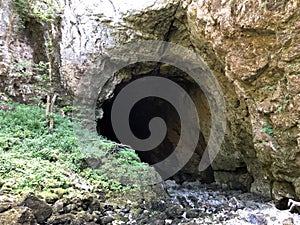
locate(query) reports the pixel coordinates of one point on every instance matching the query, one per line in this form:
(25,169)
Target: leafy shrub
(32,159)
(37,10)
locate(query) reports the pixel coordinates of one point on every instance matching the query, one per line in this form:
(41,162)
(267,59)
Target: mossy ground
(55,165)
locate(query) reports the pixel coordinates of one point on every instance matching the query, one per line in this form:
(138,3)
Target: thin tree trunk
(48,104)
(51,115)
(51,97)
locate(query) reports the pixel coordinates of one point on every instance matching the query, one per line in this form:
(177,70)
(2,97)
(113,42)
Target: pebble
(212,204)
(107,219)
(188,204)
(258,219)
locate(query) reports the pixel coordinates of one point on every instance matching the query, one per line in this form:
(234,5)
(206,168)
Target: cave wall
(24,52)
(236,163)
(250,46)
(259,46)
(13,48)
(146,109)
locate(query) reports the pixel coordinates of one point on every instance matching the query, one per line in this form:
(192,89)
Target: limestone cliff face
(258,44)
(252,47)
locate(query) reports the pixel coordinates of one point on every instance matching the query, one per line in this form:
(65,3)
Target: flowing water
(210,204)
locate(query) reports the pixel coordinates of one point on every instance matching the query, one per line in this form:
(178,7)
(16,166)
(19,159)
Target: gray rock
(174,211)
(258,219)
(41,210)
(192,213)
(62,219)
(106,219)
(18,216)
(4,206)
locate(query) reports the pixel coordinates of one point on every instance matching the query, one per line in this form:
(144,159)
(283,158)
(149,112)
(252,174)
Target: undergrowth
(55,165)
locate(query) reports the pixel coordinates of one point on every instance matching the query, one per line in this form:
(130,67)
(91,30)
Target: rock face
(40,209)
(252,47)
(20,215)
(258,44)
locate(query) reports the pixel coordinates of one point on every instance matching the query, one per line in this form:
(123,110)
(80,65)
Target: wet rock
(106,219)
(193,199)
(192,213)
(158,222)
(258,219)
(174,211)
(159,206)
(41,210)
(217,205)
(294,206)
(234,203)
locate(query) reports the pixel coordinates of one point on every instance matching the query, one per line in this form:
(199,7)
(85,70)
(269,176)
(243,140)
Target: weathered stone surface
(235,180)
(252,47)
(41,210)
(258,45)
(18,215)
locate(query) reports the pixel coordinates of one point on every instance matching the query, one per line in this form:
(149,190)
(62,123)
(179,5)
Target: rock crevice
(252,48)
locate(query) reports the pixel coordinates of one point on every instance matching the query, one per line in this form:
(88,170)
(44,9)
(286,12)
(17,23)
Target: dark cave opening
(140,115)
(139,119)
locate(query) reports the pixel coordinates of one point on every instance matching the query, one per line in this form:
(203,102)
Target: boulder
(18,216)
(40,209)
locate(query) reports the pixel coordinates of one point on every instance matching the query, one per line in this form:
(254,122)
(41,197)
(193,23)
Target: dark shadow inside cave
(140,115)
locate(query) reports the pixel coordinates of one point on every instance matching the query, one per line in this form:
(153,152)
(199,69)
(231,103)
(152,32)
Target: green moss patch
(54,165)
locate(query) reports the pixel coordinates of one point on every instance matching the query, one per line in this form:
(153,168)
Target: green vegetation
(270,87)
(268,129)
(43,11)
(37,73)
(264,4)
(53,165)
(40,76)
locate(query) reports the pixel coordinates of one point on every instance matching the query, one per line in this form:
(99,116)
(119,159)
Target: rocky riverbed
(210,204)
(188,203)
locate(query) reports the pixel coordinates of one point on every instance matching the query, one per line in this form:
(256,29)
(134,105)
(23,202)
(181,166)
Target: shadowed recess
(150,107)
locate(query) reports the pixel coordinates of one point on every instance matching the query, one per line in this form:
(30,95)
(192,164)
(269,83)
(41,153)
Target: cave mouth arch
(148,108)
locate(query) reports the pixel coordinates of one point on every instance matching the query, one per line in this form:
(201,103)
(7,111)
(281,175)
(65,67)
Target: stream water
(210,204)
(189,203)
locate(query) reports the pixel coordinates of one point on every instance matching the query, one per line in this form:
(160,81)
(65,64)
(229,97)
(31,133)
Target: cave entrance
(147,108)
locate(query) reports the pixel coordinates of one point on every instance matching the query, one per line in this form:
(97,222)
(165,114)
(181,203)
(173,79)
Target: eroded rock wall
(13,48)
(258,43)
(252,47)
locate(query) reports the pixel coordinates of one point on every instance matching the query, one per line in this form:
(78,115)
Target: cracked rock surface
(251,47)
